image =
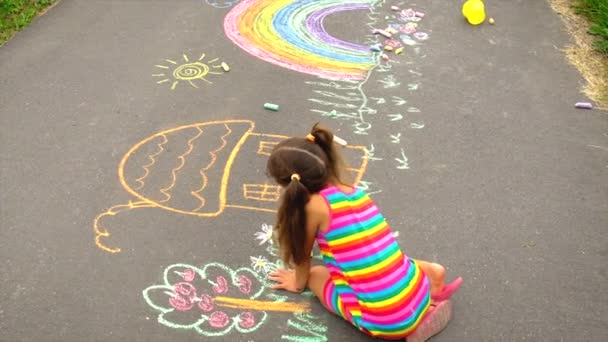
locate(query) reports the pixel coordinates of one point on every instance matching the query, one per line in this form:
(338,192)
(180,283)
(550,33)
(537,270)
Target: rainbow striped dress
(373,285)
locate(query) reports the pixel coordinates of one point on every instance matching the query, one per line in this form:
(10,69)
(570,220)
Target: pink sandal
(447,291)
(434,321)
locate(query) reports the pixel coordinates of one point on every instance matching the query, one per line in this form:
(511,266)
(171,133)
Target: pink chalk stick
(384,33)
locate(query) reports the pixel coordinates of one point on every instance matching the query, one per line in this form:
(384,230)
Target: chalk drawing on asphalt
(216,300)
(291,34)
(384,103)
(193,72)
(191,170)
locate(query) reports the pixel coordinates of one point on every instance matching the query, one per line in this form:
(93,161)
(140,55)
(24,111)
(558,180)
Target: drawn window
(261,192)
(266,147)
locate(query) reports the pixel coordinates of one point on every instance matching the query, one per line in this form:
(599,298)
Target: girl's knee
(438,270)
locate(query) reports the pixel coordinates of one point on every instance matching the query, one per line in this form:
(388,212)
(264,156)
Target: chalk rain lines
(193,72)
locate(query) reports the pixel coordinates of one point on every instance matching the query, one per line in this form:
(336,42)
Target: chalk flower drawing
(208,300)
(189,72)
(265,235)
(216,300)
(261,264)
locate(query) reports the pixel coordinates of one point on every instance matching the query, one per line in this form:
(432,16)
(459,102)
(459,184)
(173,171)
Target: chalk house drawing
(290,33)
(189,170)
(192,72)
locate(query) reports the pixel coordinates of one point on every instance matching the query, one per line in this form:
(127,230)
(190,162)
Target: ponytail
(291,222)
(324,139)
(302,166)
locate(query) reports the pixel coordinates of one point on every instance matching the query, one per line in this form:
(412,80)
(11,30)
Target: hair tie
(310,137)
(295,177)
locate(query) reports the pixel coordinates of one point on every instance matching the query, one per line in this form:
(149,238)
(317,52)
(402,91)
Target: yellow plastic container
(474,11)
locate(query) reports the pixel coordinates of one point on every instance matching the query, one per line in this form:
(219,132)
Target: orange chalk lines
(261,192)
(248,304)
(255,196)
(152,161)
(101,232)
(208,166)
(182,159)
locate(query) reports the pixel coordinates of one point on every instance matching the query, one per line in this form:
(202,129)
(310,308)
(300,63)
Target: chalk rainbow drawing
(188,170)
(290,33)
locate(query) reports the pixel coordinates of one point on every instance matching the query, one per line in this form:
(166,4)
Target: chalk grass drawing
(291,34)
(189,170)
(188,71)
(348,99)
(214,300)
(221,3)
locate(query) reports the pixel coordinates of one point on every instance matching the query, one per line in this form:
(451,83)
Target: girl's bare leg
(319,275)
(436,274)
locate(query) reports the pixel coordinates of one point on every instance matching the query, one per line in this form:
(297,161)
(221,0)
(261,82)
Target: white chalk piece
(394,8)
(225,66)
(383,32)
(340,141)
(583,105)
(386,34)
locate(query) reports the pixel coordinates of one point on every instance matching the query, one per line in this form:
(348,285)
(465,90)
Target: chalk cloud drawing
(189,170)
(188,71)
(290,33)
(221,3)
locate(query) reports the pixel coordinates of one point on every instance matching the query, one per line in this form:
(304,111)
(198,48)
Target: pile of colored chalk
(398,34)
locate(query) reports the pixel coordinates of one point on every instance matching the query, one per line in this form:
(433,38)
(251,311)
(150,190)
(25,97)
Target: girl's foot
(435,320)
(447,291)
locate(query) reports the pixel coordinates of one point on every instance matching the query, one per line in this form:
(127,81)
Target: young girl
(367,279)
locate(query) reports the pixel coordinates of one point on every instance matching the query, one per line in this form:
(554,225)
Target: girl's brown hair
(317,162)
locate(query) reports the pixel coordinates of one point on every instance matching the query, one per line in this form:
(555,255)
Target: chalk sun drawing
(189,170)
(190,71)
(214,300)
(290,33)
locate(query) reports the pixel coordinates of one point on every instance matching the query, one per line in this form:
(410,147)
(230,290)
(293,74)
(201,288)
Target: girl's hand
(286,280)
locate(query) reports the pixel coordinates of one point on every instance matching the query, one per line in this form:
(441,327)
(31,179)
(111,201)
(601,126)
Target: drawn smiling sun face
(189,71)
